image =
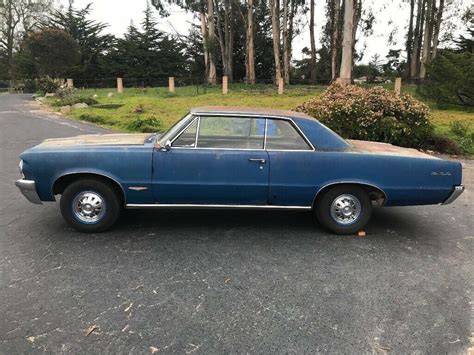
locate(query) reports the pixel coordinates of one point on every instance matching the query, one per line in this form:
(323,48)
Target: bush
(464,137)
(46,85)
(373,114)
(148,125)
(449,79)
(443,145)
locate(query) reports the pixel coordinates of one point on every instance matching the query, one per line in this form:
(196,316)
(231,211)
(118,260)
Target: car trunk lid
(386,149)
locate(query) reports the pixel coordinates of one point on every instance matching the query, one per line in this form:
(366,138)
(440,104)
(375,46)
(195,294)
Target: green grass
(161,109)
(166,108)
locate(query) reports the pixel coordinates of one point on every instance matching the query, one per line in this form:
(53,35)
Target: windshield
(173,130)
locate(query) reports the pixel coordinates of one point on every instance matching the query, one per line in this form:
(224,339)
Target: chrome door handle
(261,161)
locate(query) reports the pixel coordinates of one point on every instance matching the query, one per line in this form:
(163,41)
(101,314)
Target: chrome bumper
(457,191)
(28,189)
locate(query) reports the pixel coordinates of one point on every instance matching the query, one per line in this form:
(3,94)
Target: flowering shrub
(373,114)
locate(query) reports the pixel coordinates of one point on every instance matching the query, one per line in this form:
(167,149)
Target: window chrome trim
(182,131)
(265,135)
(211,206)
(197,132)
(267,117)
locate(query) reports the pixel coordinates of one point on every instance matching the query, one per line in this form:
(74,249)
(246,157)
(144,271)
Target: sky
(389,16)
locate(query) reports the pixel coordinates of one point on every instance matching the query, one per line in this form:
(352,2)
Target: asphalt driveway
(225,281)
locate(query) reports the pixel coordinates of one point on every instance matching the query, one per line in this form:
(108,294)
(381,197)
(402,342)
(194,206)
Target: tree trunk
(275,12)
(409,42)
(313,43)
(250,49)
(230,42)
(346,61)
(212,79)
(335,38)
(291,25)
(415,56)
(286,44)
(439,19)
(355,24)
(425,54)
(204,43)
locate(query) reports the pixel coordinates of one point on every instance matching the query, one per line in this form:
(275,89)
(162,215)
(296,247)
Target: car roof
(243,110)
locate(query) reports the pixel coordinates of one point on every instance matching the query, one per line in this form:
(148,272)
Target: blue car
(234,157)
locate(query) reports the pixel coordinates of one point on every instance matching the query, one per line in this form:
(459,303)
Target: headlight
(20,167)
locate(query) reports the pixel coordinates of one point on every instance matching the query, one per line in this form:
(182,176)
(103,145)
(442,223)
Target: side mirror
(168,145)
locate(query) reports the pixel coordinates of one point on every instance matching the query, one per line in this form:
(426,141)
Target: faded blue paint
(128,165)
(210,176)
(217,176)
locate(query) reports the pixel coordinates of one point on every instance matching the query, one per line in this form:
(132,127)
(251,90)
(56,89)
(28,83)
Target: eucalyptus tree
(347,42)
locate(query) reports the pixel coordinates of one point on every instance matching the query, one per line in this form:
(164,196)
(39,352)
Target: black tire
(95,191)
(347,194)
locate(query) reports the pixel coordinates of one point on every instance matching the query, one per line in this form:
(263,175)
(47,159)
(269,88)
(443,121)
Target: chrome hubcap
(345,209)
(88,207)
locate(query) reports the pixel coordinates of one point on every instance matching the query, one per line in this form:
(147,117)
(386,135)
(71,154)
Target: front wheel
(344,209)
(90,205)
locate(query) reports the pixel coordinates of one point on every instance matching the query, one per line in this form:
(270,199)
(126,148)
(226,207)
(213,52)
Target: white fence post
(225,87)
(398,85)
(120,85)
(171,86)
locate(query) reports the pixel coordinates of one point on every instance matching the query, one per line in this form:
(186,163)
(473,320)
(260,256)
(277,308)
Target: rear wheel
(344,209)
(90,205)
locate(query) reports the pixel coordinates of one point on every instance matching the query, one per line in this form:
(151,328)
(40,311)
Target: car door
(293,165)
(214,160)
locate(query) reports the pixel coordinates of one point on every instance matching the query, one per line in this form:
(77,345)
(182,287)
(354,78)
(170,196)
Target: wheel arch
(375,192)
(61,182)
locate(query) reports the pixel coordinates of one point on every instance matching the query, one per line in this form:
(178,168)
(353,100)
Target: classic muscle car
(224,157)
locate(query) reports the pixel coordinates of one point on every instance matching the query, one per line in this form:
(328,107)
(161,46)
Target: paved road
(203,282)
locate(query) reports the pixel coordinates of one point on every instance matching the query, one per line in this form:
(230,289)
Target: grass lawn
(160,109)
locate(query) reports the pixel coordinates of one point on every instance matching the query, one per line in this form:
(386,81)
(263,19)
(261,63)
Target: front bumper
(457,191)
(28,189)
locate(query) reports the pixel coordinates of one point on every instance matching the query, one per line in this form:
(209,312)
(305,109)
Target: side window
(231,132)
(281,135)
(188,137)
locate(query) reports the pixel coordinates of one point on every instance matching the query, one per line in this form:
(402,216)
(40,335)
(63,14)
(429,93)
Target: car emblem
(441,173)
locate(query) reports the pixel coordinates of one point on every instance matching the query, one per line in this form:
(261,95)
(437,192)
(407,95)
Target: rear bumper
(457,191)
(28,189)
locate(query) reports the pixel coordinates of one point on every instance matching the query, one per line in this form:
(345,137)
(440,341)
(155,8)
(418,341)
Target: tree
(449,78)
(87,33)
(347,42)
(417,35)
(409,39)
(313,43)
(334,21)
(147,53)
(211,43)
(52,52)
(425,52)
(249,22)
(18,18)
(275,14)
(225,30)
(205,10)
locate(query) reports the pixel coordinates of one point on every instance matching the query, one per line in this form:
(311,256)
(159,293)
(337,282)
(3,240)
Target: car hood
(97,139)
(386,149)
